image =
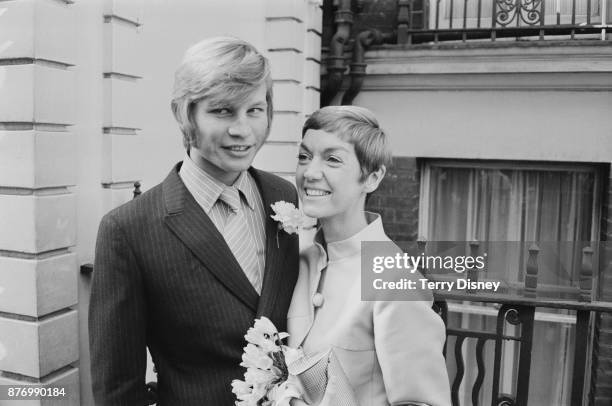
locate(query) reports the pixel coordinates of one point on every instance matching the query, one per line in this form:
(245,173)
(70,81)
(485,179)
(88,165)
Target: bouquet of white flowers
(267,381)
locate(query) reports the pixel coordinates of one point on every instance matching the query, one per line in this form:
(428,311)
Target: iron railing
(518,309)
(422,21)
(518,312)
(358,26)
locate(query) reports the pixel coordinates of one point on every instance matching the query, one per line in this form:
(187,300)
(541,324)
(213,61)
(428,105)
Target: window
(506,201)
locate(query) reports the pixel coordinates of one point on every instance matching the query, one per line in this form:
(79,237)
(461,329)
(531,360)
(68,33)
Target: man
(186,268)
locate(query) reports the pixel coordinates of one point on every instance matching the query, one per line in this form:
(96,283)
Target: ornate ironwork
(529,12)
(403,20)
(517,310)
(481,370)
(460,370)
(505,401)
(515,314)
(137,191)
(512,316)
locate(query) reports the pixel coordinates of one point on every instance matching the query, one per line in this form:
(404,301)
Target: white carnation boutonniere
(290,219)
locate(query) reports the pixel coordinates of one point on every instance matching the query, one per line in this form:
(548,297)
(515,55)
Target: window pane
(515,205)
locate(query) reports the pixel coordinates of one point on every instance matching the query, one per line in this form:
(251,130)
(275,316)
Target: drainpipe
(358,66)
(335,60)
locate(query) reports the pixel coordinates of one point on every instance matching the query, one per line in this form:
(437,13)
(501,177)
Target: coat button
(317,300)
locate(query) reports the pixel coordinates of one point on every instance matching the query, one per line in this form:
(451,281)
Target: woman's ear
(373,180)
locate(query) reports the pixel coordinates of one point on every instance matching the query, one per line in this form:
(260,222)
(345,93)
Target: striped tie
(238,238)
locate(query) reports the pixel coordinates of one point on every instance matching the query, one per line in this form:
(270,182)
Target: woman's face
(327,177)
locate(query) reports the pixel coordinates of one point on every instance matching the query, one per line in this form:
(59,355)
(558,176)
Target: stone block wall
(122,75)
(38,273)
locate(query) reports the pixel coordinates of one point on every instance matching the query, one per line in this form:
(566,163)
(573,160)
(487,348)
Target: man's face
(229,134)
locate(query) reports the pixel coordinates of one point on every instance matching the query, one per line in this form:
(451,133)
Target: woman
(357,352)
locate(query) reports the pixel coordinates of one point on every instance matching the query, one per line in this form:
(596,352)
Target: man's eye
(258,110)
(302,156)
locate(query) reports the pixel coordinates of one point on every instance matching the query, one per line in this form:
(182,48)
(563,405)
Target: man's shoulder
(272,179)
(275,181)
(140,207)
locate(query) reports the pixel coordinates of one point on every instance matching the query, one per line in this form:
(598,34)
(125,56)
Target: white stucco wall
(522,125)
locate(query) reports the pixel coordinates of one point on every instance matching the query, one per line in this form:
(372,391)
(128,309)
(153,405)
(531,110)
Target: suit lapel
(194,228)
(273,273)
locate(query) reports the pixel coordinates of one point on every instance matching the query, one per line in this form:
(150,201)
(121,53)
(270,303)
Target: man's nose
(240,127)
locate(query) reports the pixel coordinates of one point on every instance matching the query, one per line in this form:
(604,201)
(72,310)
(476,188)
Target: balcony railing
(360,25)
(516,312)
(422,21)
(519,312)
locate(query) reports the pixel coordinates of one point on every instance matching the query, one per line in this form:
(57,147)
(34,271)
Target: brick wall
(397,199)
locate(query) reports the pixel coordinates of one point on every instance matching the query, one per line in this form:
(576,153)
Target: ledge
(484,57)
(534,66)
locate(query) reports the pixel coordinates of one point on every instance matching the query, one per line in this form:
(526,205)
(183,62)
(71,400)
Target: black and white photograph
(306,202)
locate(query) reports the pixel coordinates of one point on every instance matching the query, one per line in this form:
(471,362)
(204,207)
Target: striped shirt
(206,191)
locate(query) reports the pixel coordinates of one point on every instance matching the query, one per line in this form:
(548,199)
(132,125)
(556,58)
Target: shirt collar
(208,189)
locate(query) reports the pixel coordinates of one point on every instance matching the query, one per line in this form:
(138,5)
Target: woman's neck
(343,225)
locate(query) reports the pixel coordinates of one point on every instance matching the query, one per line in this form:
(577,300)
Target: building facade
(499,121)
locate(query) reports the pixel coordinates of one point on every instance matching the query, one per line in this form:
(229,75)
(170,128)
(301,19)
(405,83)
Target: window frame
(466,308)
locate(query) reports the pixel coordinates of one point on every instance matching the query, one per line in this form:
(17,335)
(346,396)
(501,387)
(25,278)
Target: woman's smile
(313,192)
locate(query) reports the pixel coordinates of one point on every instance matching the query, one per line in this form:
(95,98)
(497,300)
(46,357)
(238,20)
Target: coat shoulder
(286,188)
(142,208)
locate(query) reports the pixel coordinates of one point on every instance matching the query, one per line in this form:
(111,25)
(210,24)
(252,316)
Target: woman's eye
(334,159)
(221,110)
(257,110)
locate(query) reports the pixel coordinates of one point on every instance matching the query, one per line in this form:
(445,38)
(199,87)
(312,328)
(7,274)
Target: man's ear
(373,180)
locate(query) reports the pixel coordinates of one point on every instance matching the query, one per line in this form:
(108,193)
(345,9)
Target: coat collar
(351,246)
(315,259)
(194,228)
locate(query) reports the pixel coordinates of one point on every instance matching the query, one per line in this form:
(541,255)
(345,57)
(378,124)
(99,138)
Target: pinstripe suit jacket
(165,278)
